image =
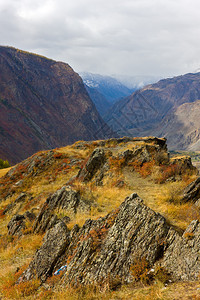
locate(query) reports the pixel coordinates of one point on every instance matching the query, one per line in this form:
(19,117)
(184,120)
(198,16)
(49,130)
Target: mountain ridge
(45,105)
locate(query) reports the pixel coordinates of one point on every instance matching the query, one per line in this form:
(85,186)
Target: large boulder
(109,246)
(65,199)
(181,258)
(94,164)
(54,244)
(192,191)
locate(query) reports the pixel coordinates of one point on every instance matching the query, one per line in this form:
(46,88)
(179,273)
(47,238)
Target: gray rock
(181,258)
(94,163)
(192,191)
(110,245)
(16,224)
(65,199)
(54,244)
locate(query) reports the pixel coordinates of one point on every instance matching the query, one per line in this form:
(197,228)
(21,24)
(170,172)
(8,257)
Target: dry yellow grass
(4,171)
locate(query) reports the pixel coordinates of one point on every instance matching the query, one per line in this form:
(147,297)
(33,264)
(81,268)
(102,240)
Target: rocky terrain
(43,105)
(168,108)
(74,217)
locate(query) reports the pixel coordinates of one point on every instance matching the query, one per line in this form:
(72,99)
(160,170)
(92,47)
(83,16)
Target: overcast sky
(133,37)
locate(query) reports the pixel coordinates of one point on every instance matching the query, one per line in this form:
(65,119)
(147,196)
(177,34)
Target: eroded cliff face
(43,105)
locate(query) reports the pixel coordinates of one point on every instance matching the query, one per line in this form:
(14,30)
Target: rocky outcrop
(192,191)
(184,164)
(95,163)
(181,258)
(18,223)
(54,244)
(146,153)
(110,246)
(65,199)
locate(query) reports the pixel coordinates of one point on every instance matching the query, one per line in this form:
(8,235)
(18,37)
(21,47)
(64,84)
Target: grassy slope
(17,253)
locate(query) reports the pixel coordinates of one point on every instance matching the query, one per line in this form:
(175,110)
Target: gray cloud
(133,37)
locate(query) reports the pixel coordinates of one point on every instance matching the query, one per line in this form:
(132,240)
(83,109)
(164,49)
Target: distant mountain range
(168,108)
(43,105)
(106,90)
(109,87)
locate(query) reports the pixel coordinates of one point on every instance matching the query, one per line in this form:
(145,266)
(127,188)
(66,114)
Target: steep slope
(43,104)
(142,112)
(108,86)
(182,127)
(101,103)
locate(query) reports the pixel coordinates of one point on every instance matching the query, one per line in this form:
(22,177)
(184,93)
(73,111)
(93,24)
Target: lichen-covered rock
(16,224)
(181,258)
(65,199)
(146,153)
(94,163)
(192,191)
(108,246)
(54,244)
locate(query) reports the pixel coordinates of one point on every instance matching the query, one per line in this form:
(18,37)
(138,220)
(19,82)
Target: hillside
(143,112)
(101,103)
(106,219)
(181,127)
(43,105)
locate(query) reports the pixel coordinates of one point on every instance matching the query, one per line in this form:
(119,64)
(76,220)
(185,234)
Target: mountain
(143,112)
(182,127)
(108,86)
(43,104)
(101,103)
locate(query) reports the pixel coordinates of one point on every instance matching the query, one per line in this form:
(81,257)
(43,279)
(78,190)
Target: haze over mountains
(43,104)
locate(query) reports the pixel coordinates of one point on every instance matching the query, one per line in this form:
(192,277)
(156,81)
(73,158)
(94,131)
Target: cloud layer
(132,37)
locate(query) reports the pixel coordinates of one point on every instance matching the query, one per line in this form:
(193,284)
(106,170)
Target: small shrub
(4,164)
(146,169)
(139,270)
(167,171)
(162,275)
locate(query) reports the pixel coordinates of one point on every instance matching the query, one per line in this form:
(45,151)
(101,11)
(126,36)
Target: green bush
(4,164)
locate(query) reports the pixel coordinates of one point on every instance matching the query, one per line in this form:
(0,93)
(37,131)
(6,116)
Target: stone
(65,199)
(181,258)
(192,191)
(94,163)
(16,224)
(54,244)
